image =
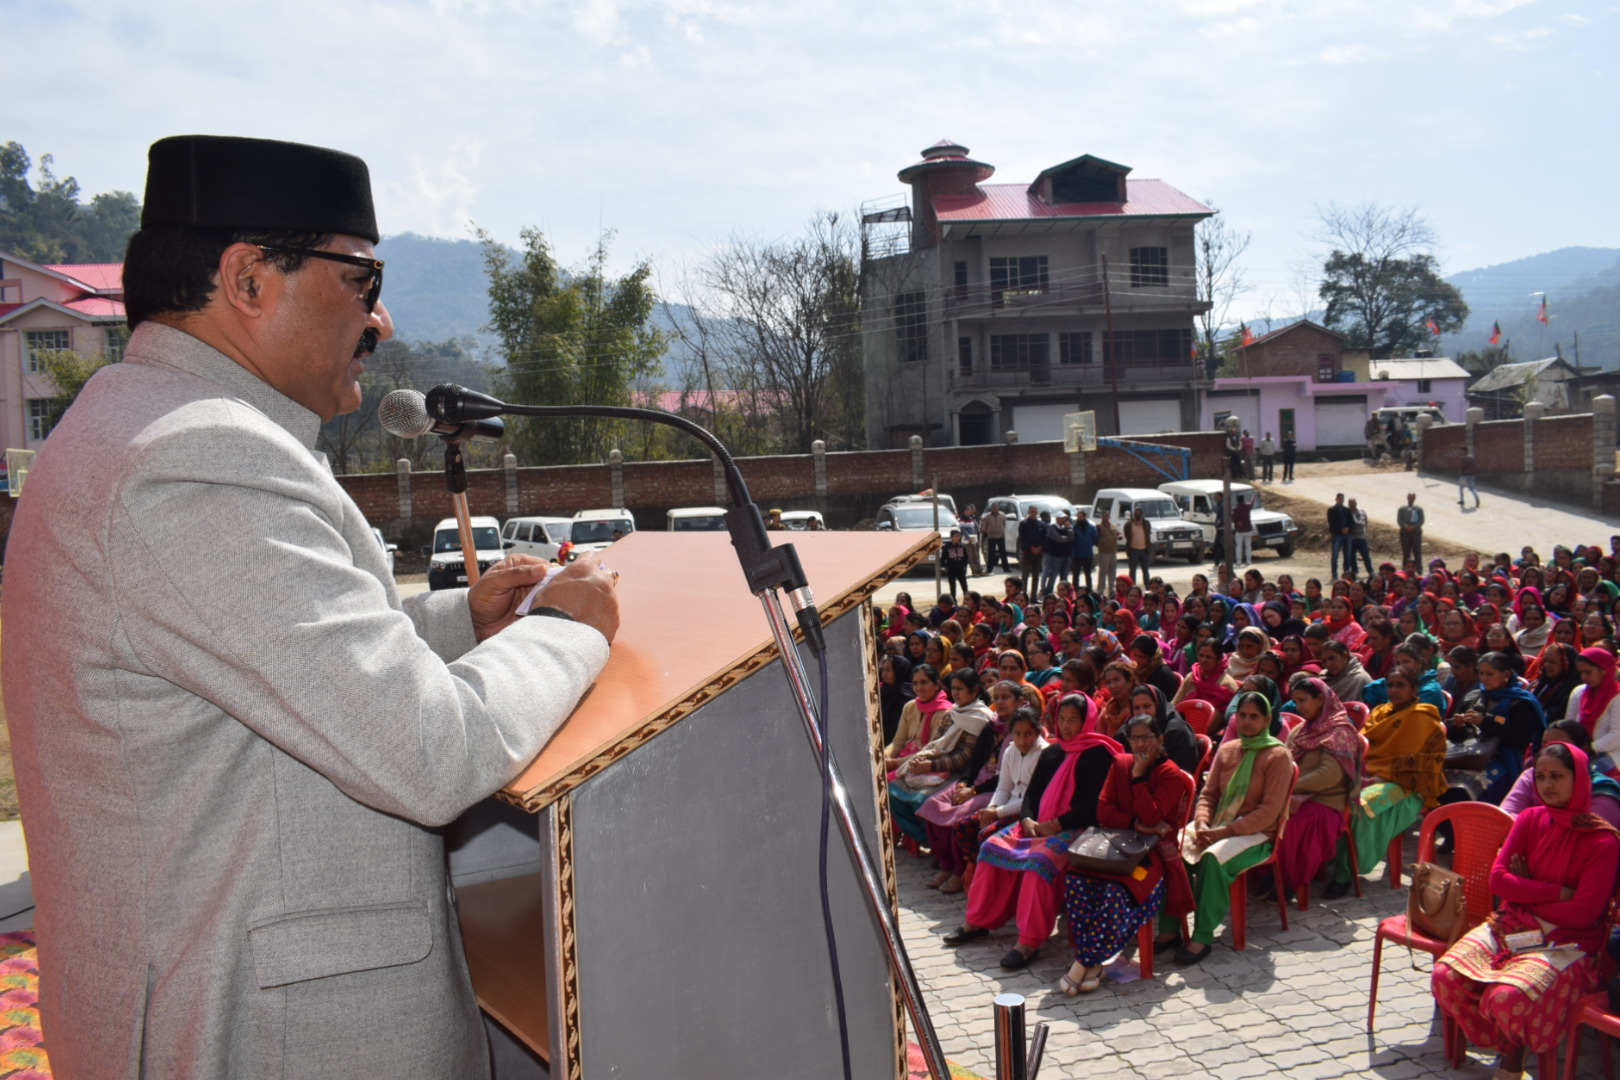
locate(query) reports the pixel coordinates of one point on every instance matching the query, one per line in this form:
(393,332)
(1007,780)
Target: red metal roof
(100,277)
(7,309)
(96,307)
(1013,202)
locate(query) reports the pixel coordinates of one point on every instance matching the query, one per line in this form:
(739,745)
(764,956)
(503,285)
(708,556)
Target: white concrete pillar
(509,466)
(402,469)
(616,476)
(1533,412)
(919,478)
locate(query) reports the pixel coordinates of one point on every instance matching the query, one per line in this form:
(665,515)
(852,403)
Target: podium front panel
(696,905)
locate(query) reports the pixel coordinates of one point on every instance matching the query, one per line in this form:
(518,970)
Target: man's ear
(243,276)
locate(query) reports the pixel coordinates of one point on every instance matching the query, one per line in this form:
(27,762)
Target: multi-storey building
(43,308)
(991,308)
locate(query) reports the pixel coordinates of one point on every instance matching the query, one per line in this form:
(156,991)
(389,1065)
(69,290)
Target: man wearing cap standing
(232,739)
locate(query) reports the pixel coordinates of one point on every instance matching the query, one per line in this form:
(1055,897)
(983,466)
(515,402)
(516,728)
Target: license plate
(1182,544)
(462,580)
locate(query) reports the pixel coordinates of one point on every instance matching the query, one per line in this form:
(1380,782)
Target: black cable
(826,901)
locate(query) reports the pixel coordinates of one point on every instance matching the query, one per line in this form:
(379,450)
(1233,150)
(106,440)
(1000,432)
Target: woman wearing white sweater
(1596,704)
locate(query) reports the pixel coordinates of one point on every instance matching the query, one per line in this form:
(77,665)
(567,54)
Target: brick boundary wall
(1563,449)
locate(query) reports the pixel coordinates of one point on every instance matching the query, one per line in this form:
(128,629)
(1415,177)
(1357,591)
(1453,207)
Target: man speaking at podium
(231,737)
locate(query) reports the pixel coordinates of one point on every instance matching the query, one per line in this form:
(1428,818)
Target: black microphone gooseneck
(767,569)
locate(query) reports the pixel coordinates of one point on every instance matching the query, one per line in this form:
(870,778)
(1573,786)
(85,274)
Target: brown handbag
(1435,906)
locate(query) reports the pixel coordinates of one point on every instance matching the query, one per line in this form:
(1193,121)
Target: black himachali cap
(222,181)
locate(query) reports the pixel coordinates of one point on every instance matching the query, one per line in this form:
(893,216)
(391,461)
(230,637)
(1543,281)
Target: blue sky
(679,123)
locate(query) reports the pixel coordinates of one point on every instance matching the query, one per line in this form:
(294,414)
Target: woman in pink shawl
(1021,867)
(1327,749)
(1556,875)
(1208,680)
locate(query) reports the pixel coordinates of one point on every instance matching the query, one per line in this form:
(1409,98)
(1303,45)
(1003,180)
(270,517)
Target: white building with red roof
(991,308)
(77,307)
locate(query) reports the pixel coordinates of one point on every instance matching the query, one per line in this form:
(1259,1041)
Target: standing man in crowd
(1242,532)
(1410,520)
(1358,538)
(233,767)
(1248,455)
(1138,546)
(969,524)
(1268,456)
(1465,478)
(1085,549)
(1290,451)
(1107,553)
(953,564)
(1339,524)
(1234,450)
(1055,563)
(1031,548)
(993,526)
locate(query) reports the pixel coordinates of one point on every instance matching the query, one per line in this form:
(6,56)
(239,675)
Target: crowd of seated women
(1014,724)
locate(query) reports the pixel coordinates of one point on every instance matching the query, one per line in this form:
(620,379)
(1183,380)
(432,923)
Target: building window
(1018,352)
(1074,348)
(911,327)
(39,418)
(964,354)
(1150,266)
(961,280)
(1425,386)
(42,340)
(1019,276)
(1327,369)
(114,338)
(1148,346)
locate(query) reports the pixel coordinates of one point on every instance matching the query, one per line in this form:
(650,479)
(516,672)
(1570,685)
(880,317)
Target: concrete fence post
(1012,438)
(616,476)
(1603,436)
(919,477)
(722,494)
(818,462)
(1424,423)
(509,465)
(402,469)
(1077,471)
(1476,416)
(1532,413)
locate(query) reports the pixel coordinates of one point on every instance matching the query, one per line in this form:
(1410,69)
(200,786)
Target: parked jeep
(1171,535)
(1196,498)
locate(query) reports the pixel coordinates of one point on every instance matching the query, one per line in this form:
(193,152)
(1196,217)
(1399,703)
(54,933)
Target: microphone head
(403,414)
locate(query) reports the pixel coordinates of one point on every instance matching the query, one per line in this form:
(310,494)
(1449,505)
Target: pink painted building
(77,307)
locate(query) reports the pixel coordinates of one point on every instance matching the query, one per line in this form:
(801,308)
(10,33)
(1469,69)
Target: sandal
(939,879)
(1090,979)
(952,886)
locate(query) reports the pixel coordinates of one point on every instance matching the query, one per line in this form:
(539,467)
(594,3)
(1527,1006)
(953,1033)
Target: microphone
(404,414)
(452,404)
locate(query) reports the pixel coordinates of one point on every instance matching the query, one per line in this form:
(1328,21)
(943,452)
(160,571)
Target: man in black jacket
(1339,523)
(1031,546)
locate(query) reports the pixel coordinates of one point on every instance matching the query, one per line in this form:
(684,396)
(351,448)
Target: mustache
(367,344)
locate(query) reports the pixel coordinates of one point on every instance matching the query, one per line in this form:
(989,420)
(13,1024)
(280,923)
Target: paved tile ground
(1293,1004)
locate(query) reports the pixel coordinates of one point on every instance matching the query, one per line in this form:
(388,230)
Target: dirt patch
(1311,515)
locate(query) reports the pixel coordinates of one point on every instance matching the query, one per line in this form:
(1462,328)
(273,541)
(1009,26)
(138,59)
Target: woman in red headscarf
(1341,623)
(1596,704)
(1208,680)
(1556,875)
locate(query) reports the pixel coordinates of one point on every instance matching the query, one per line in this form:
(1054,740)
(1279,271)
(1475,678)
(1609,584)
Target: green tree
(569,338)
(69,371)
(45,222)
(1380,286)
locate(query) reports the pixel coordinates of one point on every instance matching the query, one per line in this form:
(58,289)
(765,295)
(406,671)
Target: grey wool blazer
(231,739)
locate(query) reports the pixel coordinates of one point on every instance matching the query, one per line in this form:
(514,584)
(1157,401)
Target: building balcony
(983,302)
(1079,376)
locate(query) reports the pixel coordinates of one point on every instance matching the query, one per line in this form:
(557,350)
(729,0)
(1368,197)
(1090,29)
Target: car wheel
(1286,551)
(1195,557)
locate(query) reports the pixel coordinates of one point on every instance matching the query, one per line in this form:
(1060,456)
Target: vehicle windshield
(920,517)
(710,523)
(601,530)
(1158,509)
(1054,505)
(450,540)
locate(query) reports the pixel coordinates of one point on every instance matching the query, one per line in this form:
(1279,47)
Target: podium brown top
(690,629)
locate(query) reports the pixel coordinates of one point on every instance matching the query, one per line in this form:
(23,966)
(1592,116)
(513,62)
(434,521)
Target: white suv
(1171,535)
(594,530)
(1197,501)
(541,537)
(446,570)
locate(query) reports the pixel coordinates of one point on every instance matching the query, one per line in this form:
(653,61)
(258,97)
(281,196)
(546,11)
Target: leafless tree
(1376,233)
(1219,279)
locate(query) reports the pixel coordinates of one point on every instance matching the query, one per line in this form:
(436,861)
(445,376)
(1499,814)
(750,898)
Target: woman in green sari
(1240,810)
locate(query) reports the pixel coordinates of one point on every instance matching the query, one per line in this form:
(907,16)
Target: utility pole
(1110,346)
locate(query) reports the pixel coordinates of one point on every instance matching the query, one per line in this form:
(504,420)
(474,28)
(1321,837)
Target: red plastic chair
(1358,713)
(1206,755)
(1239,917)
(1478,830)
(1591,1011)
(1198,714)
(1291,721)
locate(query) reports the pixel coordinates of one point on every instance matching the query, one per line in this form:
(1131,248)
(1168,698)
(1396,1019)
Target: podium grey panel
(698,917)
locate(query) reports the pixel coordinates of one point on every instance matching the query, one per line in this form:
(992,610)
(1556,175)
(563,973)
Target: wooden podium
(644,901)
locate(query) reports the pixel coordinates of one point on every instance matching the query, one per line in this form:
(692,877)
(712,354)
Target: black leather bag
(1110,851)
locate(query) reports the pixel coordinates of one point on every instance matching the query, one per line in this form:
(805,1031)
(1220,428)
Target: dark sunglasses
(374,265)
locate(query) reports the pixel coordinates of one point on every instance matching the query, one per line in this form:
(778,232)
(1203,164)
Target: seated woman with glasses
(1149,793)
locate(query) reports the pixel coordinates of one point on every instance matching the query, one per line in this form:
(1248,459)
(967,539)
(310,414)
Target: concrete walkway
(1504,521)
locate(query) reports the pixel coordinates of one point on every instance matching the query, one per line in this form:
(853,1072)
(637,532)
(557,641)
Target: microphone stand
(770,571)
(455,476)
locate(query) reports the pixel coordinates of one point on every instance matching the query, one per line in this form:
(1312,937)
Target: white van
(1196,498)
(446,570)
(594,530)
(541,537)
(696,519)
(1171,535)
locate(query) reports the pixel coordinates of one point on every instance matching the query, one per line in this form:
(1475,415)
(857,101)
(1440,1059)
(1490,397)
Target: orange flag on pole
(1248,335)
(1541,315)
(1496,333)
